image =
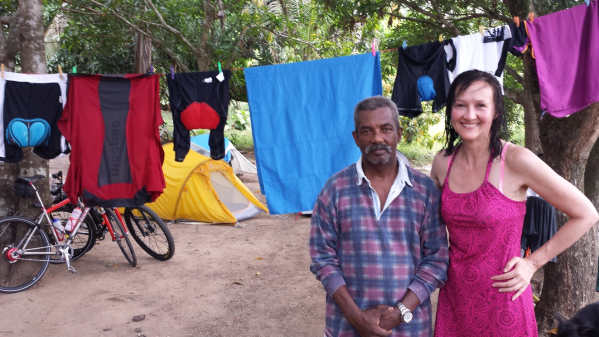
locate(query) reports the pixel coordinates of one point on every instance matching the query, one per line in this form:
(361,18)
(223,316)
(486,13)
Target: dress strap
(502,165)
(449,164)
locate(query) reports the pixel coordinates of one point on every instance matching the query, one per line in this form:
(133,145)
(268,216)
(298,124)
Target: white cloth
(473,53)
(30,78)
(401,180)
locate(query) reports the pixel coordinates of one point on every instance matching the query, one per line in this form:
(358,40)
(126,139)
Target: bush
(241,139)
(418,154)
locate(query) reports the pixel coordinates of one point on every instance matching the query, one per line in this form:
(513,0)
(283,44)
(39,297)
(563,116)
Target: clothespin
(60,72)
(220,77)
(374,47)
(588,2)
(151,69)
(74,70)
(481,30)
(2,71)
(441,38)
(517,21)
(542,115)
(172,72)
(404,45)
(531,16)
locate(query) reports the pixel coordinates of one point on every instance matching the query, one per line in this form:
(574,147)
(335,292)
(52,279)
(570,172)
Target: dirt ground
(251,279)
(248,280)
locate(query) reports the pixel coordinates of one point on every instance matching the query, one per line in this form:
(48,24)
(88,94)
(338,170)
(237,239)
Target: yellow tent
(202,189)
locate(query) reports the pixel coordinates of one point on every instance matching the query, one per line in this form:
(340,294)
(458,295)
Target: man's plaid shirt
(378,260)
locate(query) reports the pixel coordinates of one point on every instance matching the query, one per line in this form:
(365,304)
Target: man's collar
(402,171)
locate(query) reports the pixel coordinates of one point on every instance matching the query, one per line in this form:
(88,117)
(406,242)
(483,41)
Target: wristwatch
(406,314)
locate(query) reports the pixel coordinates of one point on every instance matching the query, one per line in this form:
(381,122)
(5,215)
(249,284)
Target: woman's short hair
(498,126)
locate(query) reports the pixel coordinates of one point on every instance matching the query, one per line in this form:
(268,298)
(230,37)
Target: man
(377,243)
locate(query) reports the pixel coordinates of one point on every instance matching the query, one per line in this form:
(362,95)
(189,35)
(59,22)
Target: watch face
(407,317)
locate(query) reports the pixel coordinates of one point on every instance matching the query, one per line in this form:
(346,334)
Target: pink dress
(485,228)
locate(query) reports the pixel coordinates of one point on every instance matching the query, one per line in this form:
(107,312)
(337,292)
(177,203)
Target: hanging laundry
(199,101)
(112,125)
(540,224)
(567,58)
(483,52)
(31,105)
(518,44)
(421,76)
(302,123)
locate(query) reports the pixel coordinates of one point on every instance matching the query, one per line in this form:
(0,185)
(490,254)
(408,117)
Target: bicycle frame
(106,222)
(61,246)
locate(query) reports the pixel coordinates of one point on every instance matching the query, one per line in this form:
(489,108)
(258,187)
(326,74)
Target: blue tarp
(302,120)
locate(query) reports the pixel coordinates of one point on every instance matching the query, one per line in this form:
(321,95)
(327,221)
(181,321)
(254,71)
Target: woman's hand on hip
(516,277)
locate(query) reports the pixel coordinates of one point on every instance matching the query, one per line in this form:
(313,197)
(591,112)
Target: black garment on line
(187,88)
(32,100)
(427,59)
(518,39)
(540,224)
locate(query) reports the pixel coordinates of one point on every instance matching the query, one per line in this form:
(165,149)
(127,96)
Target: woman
(484,181)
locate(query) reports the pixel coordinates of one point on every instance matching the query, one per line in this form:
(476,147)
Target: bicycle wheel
(122,238)
(82,242)
(19,237)
(150,232)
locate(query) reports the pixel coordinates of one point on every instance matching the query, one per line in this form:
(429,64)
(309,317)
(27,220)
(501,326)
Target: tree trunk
(30,30)
(531,106)
(570,283)
(143,54)
(591,188)
(203,60)
(33,54)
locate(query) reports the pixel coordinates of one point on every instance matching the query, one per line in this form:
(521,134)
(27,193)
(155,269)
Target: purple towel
(566,46)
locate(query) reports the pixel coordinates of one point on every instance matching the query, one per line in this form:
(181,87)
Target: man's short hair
(373,103)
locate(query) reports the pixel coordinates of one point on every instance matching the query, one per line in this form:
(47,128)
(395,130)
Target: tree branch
(283,35)
(514,74)
(424,22)
(469,17)
(515,95)
(441,17)
(171,28)
(433,16)
(239,43)
(495,15)
(168,51)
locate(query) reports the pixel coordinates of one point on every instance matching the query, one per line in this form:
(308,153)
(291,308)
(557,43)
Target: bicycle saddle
(31,179)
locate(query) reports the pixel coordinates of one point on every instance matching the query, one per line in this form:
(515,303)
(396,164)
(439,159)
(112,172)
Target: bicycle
(150,232)
(98,221)
(145,226)
(26,250)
